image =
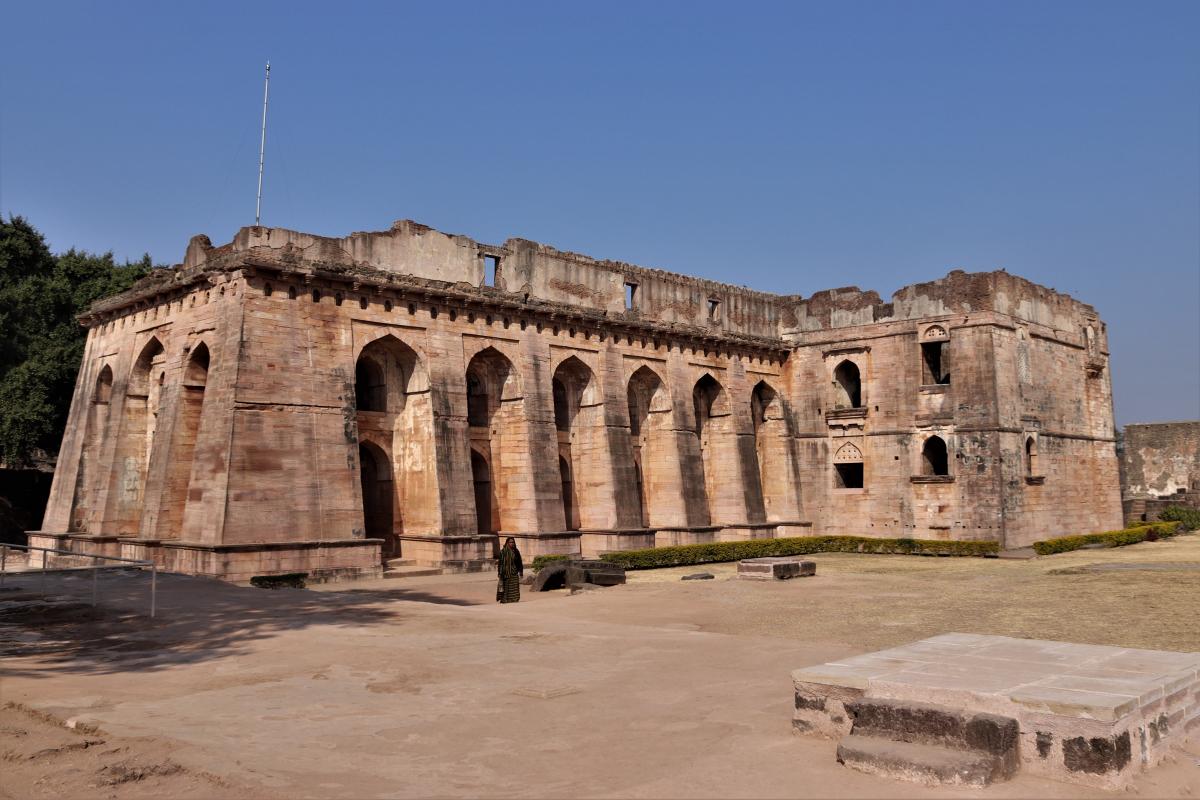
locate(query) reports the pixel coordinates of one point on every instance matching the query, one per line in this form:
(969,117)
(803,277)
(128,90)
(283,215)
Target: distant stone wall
(1160,466)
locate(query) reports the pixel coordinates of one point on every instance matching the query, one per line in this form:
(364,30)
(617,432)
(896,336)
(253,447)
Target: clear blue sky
(790,147)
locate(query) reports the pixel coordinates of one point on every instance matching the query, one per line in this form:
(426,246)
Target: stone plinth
(1087,713)
(779,568)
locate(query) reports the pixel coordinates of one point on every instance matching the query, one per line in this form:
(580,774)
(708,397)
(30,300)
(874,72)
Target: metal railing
(94,568)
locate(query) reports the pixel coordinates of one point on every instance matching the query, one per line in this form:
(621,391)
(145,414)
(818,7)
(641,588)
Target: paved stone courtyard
(422,687)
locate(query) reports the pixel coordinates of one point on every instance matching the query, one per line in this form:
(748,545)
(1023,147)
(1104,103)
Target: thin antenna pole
(262,147)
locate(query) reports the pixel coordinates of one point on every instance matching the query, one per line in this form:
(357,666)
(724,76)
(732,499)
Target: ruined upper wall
(957,293)
(529,269)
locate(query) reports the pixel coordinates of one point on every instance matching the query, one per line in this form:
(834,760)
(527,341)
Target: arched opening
(378,497)
(370,386)
(1030,457)
(138,425)
(849,385)
(579,421)
(708,400)
(766,417)
(395,416)
(188,411)
(492,410)
(934,459)
(568,494)
(94,431)
(485,507)
(649,420)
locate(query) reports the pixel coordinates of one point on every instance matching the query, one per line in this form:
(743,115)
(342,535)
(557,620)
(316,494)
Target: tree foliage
(41,342)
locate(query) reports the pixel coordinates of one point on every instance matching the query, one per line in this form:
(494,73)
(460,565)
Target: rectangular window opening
(491,267)
(714,310)
(934,369)
(849,476)
(631,296)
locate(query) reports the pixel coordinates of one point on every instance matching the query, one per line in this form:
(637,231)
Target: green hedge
(689,554)
(1188,517)
(1139,533)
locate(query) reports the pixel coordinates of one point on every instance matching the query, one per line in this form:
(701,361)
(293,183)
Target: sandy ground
(423,687)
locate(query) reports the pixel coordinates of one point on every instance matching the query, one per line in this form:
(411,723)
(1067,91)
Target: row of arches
(500,422)
(137,429)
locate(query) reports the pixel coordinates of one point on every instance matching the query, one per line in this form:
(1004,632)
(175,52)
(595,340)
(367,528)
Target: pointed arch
(395,413)
(649,428)
(139,422)
(95,425)
(770,436)
(378,496)
(491,379)
(1031,457)
(386,372)
(848,385)
(582,446)
(189,408)
(709,402)
(934,457)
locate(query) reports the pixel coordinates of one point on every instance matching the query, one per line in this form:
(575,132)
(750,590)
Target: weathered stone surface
(1086,713)
(1160,467)
(920,763)
(598,573)
(698,576)
(295,403)
(775,568)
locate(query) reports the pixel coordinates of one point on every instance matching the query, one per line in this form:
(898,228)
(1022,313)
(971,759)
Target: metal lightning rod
(262,146)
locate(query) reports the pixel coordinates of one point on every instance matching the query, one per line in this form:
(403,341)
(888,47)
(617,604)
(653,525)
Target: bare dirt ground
(423,687)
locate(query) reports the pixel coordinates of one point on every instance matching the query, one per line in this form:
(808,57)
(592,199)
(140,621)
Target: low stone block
(778,568)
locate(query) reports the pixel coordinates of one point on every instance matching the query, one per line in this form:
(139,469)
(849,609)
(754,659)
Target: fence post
(153,588)
(95,572)
(44,560)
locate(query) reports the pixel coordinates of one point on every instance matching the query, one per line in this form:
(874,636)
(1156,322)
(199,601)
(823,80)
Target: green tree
(41,341)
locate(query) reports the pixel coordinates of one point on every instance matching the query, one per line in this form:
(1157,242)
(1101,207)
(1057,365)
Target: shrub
(1139,533)
(1188,517)
(714,552)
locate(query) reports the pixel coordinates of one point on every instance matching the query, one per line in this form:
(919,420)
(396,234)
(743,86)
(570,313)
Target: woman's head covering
(510,540)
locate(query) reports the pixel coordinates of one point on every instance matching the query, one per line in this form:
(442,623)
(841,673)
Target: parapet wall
(957,293)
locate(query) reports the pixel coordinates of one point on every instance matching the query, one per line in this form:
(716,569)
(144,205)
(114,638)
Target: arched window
(934,459)
(848,384)
(1030,457)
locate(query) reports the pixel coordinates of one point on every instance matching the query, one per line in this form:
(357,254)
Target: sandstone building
(289,402)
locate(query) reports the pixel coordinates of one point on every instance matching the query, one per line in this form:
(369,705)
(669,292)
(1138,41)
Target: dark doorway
(378,497)
(481,474)
(568,494)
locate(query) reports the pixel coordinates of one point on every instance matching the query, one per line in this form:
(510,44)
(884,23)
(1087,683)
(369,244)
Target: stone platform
(778,568)
(1086,713)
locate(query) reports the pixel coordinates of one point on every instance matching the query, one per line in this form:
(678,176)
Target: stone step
(919,763)
(399,562)
(411,571)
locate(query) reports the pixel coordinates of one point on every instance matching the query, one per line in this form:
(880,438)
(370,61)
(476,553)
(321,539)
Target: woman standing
(508,590)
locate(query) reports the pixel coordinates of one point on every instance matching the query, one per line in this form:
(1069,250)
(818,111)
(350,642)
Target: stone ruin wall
(1160,466)
(543,407)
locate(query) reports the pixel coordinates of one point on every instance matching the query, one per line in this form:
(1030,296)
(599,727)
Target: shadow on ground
(197,619)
